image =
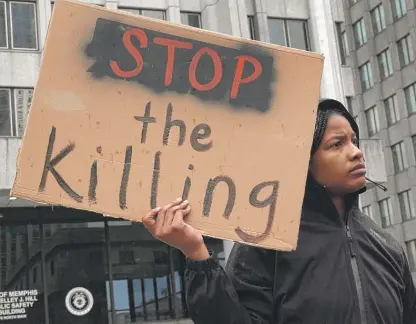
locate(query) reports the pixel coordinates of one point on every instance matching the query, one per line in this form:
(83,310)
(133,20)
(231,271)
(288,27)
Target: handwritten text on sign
(200,142)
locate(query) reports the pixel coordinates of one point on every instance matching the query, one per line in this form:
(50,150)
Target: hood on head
(332,104)
(316,196)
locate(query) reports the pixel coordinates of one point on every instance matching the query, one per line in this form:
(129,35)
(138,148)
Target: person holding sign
(345,270)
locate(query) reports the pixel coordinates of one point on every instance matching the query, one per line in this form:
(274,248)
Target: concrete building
(378,40)
(38,244)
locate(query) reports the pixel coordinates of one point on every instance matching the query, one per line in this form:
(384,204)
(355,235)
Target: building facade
(377,40)
(120,274)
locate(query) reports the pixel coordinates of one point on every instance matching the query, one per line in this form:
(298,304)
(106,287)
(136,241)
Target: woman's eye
(336,144)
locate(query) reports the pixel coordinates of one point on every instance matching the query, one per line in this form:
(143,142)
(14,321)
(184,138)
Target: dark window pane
(341,46)
(191,19)
(52,268)
(297,34)
(194,20)
(5,113)
(23,18)
(126,257)
(252,27)
(22,100)
(3,34)
(277,31)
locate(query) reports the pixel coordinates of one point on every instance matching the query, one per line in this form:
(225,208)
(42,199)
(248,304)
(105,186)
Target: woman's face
(338,163)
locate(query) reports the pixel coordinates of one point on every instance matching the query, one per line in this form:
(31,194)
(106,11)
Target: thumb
(149,221)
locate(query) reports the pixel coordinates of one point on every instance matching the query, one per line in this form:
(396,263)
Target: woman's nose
(356,153)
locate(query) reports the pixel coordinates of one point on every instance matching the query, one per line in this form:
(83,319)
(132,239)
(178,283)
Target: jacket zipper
(356,274)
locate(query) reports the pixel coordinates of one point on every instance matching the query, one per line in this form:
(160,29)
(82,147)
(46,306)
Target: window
(399,8)
(378,19)
(360,33)
(13,256)
(386,212)
(14,108)
(367,210)
(414,144)
(385,64)
(158,14)
(407,208)
(3,25)
(52,265)
(406,53)
(48,232)
(191,19)
(252,27)
(34,274)
(126,257)
(373,123)
(410,94)
(342,43)
(95,4)
(366,76)
(289,32)
(392,110)
(35,233)
(18,25)
(399,157)
(411,254)
(160,257)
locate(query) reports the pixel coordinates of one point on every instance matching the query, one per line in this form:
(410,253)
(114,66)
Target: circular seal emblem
(79,301)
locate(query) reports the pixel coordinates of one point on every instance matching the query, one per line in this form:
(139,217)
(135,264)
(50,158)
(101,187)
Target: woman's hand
(167,225)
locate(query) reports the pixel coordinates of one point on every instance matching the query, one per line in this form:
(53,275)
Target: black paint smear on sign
(107,46)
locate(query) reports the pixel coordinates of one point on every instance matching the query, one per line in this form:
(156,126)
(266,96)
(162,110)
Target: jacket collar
(318,199)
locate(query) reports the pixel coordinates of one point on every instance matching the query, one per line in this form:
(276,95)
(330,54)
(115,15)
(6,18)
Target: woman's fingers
(171,212)
(149,221)
(178,222)
(160,220)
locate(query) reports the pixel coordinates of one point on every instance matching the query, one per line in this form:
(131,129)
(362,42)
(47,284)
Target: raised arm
(243,295)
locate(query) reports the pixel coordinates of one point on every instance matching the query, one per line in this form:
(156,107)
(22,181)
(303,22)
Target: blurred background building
(369,66)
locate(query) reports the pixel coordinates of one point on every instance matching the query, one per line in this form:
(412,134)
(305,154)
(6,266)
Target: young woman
(345,270)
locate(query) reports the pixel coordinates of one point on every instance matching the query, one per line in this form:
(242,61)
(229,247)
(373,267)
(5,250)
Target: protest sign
(130,113)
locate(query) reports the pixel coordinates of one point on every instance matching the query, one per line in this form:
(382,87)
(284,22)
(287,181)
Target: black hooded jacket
(344,271)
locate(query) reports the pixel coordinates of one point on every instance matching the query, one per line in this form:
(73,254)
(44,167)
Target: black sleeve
(240,295)
(409,300)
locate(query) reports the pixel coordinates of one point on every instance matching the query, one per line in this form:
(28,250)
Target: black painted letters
(50,165)
(201,131)
(170,123)
(146,120)
(255,202)
(210,191)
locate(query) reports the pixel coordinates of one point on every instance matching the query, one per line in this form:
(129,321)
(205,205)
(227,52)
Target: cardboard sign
(130,113)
